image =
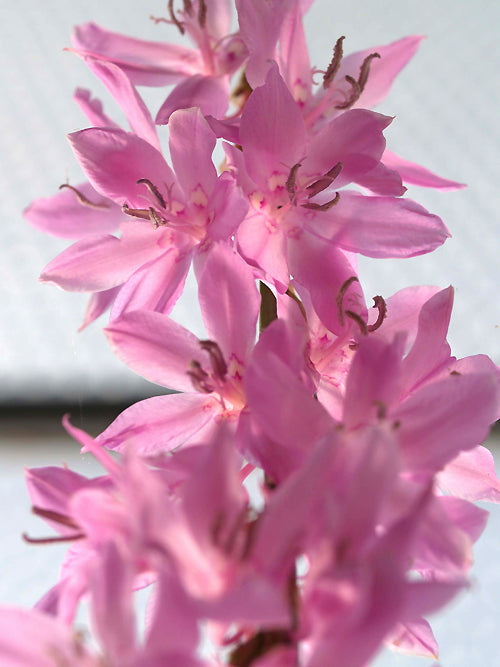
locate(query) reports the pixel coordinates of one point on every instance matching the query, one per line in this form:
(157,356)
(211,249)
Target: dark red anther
(357,86)
(323,182)
(358,319)
(202,13)
(57,517)
(217,361)
(141,213)
(322,207)
(382,312)
(365,70)
(174,18)
(199,378)
(340,297)
(82,198)
(154,191)
(333,67)
(290,181)
(156,218)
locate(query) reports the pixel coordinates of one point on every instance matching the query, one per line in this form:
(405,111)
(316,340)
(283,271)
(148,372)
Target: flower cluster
(307,494)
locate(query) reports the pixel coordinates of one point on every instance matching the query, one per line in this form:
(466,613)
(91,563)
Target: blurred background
(445,105)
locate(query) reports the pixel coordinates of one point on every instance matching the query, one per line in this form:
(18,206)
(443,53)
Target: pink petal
(29,637)
(471,475)
(414,638)
(115,160)
(444,418)
(260,24)
(155,286)
(64,216)
(98,303)
(315,264)
(112,610)
(131,103)
(294,56)
(272,131)
(160,424)
(265,248)
(230,303)
(156,347)
(415,174)
(145,63)
(229,208)
(99,262)
(355,138)
(92,108)
(208,93)
(191,146)
(379,226)
(430,349)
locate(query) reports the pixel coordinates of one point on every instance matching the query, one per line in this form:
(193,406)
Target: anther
(365,70)
(358,319)
(326,180)
(340,297)
(52,540)
(199,378)
(154,191)
(322,207)
(174,18)
(382,312)
(290,181)
(142,213)
(333,67)
(357,86)
(82,198)
(354,95)
(57,517)
(202,13)
(156,219)
(217,361)
(293,295)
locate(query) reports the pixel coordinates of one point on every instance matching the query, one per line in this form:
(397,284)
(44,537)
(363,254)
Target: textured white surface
(445,102)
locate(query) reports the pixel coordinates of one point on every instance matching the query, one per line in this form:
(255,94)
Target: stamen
(333,67)
(52,540)
(82,198)
(142,213)
(202,13)
(340,297)
(323,182)
(199,378)
(290,181)
(57,517)
(156,219)
(358,319)
(188,7)
(358,86)
(322,207)
(382,312)
(365,70)
(174,18)
(293,295)
(217,361)
(354,95)
(154,191)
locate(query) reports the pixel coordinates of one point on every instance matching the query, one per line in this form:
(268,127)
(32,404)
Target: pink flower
(174,215)
(209,372)
(289,181)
